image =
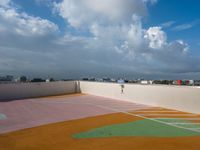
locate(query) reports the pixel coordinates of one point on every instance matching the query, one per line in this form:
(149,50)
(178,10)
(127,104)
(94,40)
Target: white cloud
(118,37)
(168,24)
(186,26)
(86,12)
(24,24)
(4,3)
(115,41)
(157,38)
(183,27)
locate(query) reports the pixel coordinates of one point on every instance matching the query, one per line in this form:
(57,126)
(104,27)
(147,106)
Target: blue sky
(118,38)
(182,12)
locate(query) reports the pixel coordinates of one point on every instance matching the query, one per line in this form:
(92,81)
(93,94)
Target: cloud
(157,38)
(24,40)
(20,30)
(167,24)
(120,40)
(111,40)
(23,24)
(4,3)
(185,26)
(86,12)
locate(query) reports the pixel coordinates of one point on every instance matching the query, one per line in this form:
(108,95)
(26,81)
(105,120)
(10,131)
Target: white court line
(139,111)
(135,115)
(178,118)
(158,108)
(167,114)
(82,103)
(195,128)
(183,123)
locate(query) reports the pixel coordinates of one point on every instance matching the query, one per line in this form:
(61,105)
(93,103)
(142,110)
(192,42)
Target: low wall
(175,97)
(31,90)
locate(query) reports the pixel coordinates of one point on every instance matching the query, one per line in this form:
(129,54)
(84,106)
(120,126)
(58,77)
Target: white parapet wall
(181,98)
(30,90)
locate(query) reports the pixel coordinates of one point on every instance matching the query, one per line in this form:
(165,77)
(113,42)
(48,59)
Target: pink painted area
(34,112)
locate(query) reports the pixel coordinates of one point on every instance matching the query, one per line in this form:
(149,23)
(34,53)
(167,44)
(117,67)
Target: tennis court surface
(84,122)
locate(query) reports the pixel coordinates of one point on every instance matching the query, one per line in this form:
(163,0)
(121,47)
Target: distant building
(85,79)
(99,80)
(197,82)
(37,80)
(186,82)
(166,82)
(121,81)
(191,82)
(23,79)
(50,80)
(144,82)
(6,79)
(91,79)
(179,82)
(106,79)
(112,80)
(174,82)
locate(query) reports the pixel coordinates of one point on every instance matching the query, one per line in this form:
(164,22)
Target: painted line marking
(195,128)
(138,115)
(159,108)
(137,111)
(184,123)
(178,118)
(167,114)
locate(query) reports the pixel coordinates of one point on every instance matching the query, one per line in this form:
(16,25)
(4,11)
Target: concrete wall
(30,90)
(175,97)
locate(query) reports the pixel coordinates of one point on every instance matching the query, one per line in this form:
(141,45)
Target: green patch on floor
(2,116)
(144,128)
(185,123)
(173,120)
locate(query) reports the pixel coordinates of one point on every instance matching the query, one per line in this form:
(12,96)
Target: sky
(151,39)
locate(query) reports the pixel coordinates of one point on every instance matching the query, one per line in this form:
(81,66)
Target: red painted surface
(34,112)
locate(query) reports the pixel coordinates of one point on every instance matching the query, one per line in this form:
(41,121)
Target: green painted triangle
(145,128)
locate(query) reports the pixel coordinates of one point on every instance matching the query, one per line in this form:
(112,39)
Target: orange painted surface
(59,136)
(163,112)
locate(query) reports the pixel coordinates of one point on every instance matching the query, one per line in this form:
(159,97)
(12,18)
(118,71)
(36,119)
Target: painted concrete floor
(91,122)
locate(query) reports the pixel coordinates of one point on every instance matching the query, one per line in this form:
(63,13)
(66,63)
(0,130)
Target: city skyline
(153,39)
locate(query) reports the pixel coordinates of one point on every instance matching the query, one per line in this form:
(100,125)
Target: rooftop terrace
(90,115)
